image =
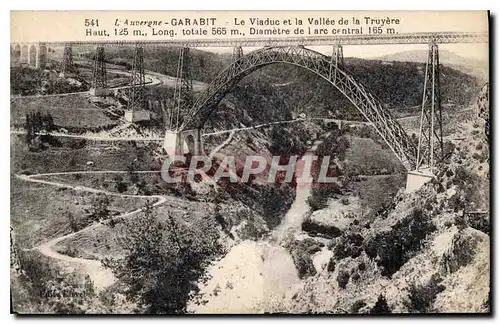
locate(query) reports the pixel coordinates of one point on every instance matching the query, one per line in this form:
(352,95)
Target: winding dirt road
(102,277)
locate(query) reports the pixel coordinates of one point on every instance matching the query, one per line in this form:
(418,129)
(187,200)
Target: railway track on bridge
(402,38)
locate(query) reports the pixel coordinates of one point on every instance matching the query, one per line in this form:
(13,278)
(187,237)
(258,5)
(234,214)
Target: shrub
(343,279)
(254,226)
(470,184)
(27,172)
(320,195)
(99,208)
(73,223)
(120,185)
(448,149)
(480,222)
(313,228)
(275,202)
(421,297)
(460,253)
(396,247)
(43,287)
(77,144)
(348,245)
(357,306)
(301,251)
(331,265)
(380,306)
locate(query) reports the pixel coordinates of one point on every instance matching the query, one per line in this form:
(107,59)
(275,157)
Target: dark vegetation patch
(349,244)
(317,229)
(27,81)
(475,189)
(271,201)
(421,297)
(163,260)
(380,306)
(370,156)
(461,252)
(343,278)
(301,251)
(479,221)
(321,194)
(356,307)
(397,246)
(376,194)
(330,267)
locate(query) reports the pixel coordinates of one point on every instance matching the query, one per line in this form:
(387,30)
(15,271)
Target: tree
(120,185)
(35,124)
(99,209)
(163,260)
(132,172)
(381,306)
(28,126)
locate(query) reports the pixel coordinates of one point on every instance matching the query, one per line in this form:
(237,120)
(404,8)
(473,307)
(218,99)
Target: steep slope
(475,67)
(428,251)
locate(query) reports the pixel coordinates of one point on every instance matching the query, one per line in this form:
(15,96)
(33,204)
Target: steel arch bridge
(371,108)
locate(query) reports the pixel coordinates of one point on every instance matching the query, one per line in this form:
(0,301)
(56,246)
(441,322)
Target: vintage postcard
(250,162)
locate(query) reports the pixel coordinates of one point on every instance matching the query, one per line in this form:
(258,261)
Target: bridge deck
(403,38)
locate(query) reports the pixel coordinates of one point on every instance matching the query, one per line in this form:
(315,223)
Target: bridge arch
(32,54)
(373,111)
(24,54)
(17,52)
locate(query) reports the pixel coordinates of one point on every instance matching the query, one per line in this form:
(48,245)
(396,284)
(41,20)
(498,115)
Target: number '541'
(91,22)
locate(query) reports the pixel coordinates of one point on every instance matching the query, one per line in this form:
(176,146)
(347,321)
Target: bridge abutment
(133,116)
(416,179)
(180,143)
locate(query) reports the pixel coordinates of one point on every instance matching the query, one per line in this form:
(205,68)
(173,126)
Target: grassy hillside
(73,112)
(204,65)
(420,56)
(474,67)
(396,84)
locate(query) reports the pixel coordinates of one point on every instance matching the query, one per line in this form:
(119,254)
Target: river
(254,277)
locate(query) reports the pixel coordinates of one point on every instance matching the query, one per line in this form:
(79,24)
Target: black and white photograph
(250,163)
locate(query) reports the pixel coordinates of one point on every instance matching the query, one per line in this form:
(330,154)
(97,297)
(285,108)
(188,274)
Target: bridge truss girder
(338,57)
(99,79)
(401,38)
(388,128)
(137,89)
(183,93)
(237,53)
(67,65)
(430,140)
